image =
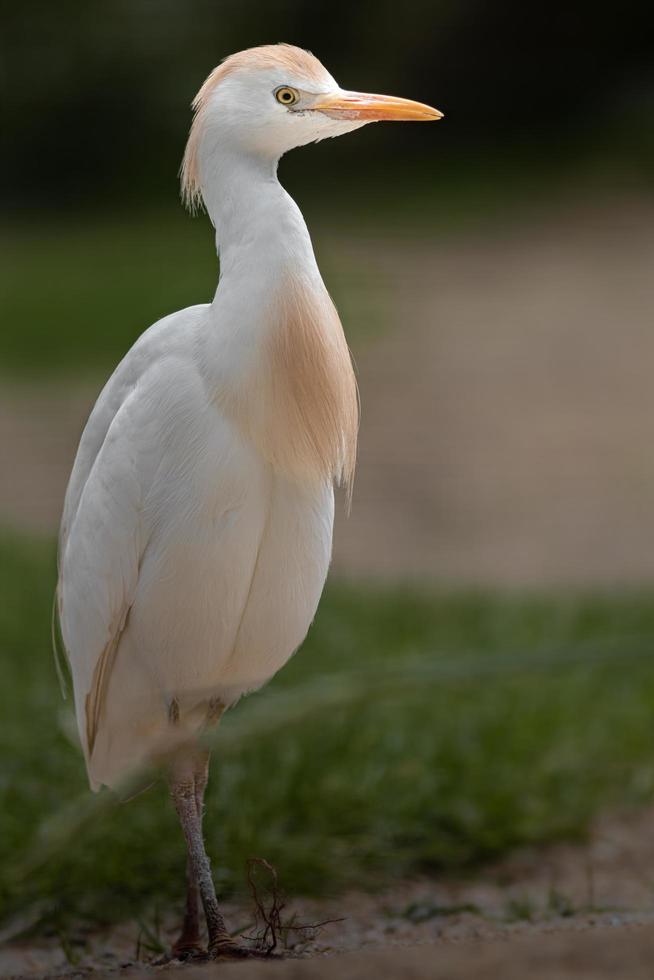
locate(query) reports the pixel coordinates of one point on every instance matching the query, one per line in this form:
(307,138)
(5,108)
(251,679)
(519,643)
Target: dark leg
(189,942)
(189,773)
(186,798)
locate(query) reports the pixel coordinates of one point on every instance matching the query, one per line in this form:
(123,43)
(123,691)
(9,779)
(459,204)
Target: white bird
(197,525)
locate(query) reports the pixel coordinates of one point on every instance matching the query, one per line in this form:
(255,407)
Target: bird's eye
(286,95)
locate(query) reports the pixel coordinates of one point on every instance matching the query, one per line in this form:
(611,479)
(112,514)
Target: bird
(196,532)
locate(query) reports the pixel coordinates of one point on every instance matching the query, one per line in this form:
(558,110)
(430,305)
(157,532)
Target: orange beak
(374,108)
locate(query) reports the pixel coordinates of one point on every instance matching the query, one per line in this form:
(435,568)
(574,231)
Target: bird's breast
(296,398)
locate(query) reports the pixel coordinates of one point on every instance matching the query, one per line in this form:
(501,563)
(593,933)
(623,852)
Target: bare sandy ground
(507,408)
(584,910)
(564,957)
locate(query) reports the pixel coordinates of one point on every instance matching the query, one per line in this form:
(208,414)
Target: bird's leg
(189,942)
(183,791)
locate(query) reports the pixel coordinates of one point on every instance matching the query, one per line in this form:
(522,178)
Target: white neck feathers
(294,393)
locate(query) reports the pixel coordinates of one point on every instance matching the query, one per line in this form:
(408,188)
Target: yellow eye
(286,95)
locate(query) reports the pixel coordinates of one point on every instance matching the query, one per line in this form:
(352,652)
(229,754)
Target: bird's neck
(259,227)
(279,362)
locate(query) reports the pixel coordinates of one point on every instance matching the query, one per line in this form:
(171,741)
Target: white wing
(99,562)
(163,338)
(104,530)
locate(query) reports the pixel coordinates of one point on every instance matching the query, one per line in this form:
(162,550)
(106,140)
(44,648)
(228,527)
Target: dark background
(96,95)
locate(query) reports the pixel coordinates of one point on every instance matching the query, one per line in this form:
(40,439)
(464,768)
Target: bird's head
(267,100)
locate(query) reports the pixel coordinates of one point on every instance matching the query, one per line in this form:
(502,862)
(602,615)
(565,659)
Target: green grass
(76,296)
(411,734)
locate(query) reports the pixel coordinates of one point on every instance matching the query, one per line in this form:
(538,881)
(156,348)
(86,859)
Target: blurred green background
(487,634)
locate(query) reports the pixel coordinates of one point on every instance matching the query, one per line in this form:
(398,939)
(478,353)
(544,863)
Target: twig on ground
(268,911)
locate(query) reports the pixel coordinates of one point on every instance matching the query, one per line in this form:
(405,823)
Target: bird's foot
(186,950)
(229,949)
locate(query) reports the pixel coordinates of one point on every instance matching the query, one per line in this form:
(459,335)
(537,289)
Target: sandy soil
(507,409)
(551,910)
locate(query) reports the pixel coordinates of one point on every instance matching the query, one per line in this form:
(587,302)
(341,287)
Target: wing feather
(107,521)
(100,556)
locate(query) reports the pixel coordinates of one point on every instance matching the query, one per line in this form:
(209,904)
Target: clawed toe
(188,951)
(236,951)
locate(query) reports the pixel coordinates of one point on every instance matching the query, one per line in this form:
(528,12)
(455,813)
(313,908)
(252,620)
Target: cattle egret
(197,524)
